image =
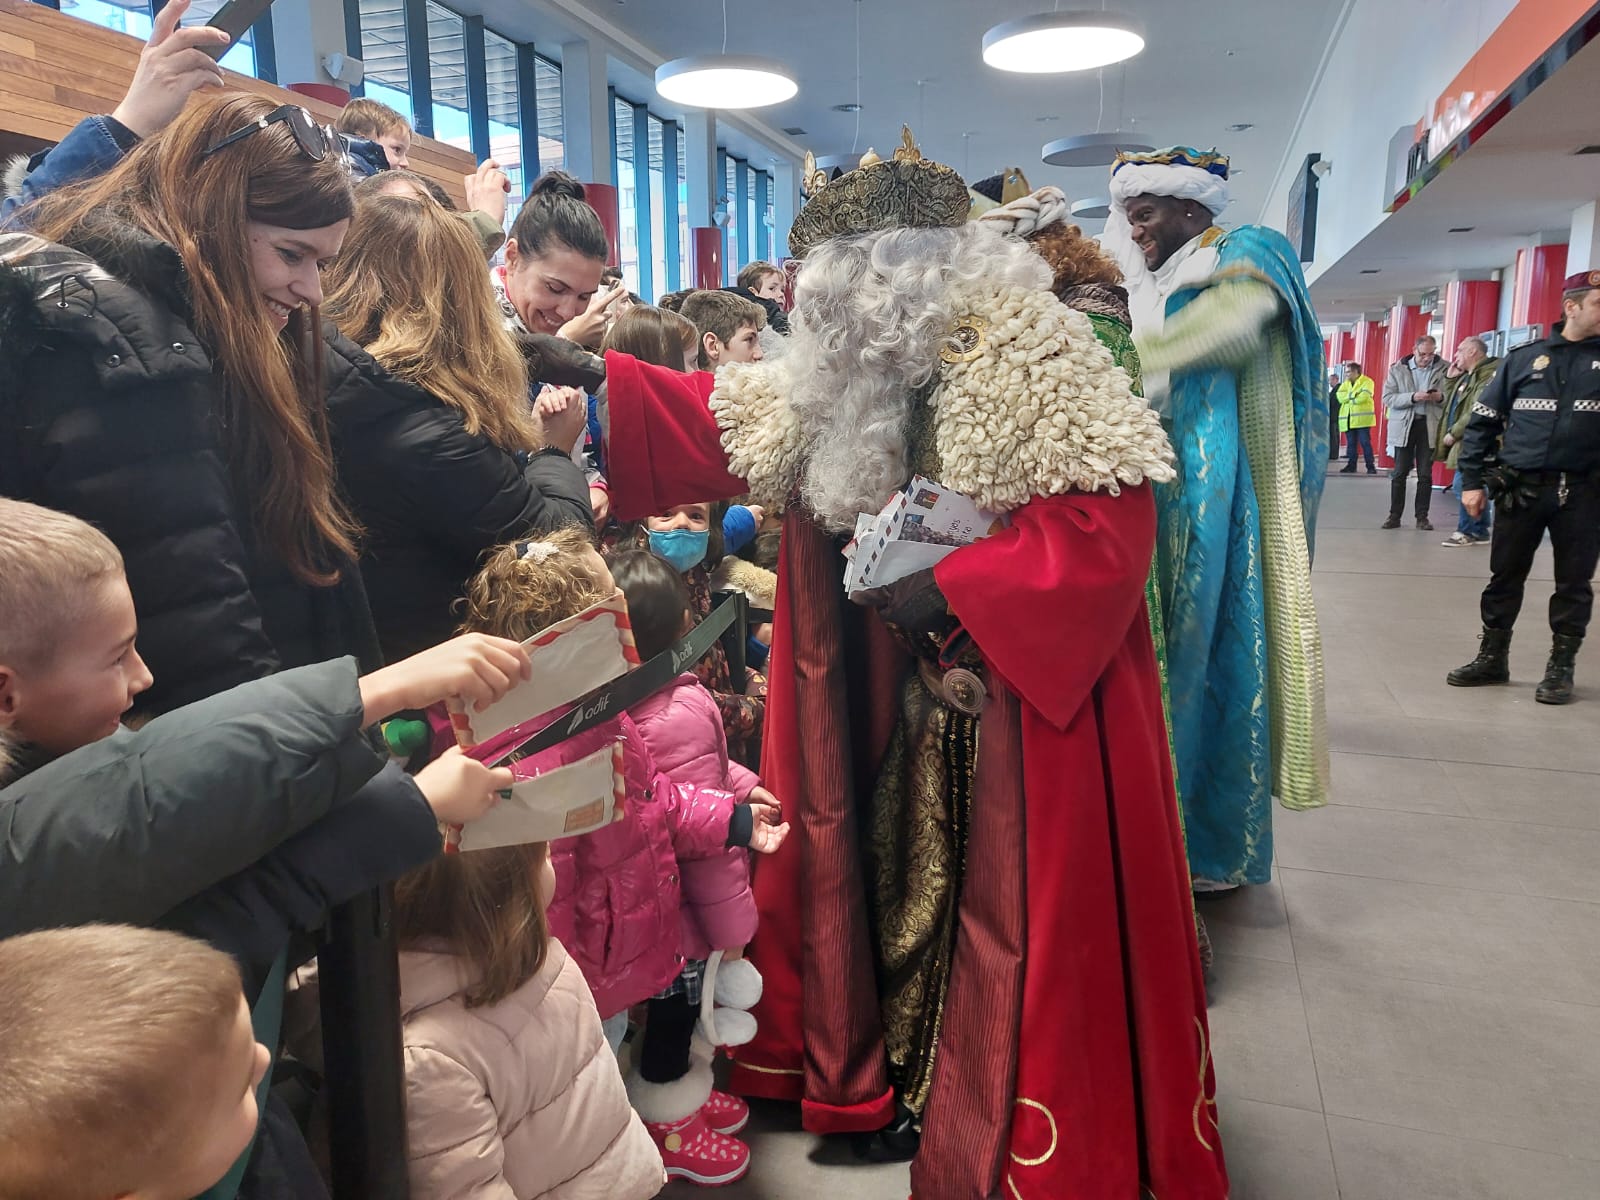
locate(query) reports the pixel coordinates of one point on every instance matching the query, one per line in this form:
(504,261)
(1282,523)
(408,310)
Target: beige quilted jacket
(518,1100)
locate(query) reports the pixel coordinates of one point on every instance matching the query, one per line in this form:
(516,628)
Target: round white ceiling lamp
(1092,208)
(1052,43)
(1091,149)
(725,81)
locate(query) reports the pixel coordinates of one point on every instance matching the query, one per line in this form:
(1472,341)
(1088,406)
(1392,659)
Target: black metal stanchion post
(364,1068)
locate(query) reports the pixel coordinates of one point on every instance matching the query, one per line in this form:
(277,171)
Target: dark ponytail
(555,215)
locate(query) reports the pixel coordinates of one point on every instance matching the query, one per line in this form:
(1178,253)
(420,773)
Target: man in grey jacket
(1413,396)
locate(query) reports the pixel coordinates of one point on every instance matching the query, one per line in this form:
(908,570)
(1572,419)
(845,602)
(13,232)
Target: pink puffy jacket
(616,907)
(683,728)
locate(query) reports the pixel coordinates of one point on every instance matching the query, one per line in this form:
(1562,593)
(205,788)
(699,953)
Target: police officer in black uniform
(1534,444)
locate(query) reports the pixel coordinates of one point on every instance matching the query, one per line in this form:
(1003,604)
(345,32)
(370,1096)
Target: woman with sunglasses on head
(436,449)
(160,377)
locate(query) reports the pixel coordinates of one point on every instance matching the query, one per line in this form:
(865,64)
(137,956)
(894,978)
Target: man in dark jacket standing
(1545,404)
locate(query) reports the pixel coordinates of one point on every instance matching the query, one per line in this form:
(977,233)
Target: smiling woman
(169,389)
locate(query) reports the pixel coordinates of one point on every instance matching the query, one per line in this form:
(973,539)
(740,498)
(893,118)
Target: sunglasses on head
(315,141)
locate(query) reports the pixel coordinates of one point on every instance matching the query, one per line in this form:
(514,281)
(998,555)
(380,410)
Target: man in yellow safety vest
(1357,415)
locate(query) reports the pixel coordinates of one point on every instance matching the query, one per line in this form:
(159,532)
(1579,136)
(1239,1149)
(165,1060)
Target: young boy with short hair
(106,823)
(763,281)
(730,327)
(364,118)
(128,1067)
(243,818)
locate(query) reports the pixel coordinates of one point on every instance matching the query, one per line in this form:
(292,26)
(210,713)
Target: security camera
(1322,168)
(348,71)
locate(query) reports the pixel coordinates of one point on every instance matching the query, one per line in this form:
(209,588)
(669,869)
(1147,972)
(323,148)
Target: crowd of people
(297,461)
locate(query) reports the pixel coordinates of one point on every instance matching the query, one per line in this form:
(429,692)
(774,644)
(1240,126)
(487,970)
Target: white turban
(1147,175)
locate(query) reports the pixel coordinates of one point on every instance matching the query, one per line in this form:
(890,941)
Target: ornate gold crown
(906,191)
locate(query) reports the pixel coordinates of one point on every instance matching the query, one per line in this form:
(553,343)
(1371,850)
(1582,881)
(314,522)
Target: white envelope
(578,798)
(570,659)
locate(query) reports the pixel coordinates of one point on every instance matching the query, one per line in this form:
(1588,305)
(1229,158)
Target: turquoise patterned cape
(1244,653)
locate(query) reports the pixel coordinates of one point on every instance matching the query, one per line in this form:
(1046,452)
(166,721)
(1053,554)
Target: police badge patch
(1541,362)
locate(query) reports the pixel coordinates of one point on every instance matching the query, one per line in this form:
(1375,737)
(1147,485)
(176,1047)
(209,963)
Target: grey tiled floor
(1411,1009)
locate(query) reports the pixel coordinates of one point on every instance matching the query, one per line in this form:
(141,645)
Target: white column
(304,32)
(700,159)
(586,111)
(785,203)
(1583,246)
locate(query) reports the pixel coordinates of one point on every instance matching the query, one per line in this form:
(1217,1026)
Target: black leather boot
(1556,686)
(896,1142)
(1491,665)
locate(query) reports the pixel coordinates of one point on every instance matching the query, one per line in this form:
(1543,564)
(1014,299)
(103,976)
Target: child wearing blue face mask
(690,538)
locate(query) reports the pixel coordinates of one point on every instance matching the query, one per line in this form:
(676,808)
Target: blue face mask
(683,548)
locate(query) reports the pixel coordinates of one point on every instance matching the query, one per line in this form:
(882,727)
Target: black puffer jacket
(431,497)
(109,409)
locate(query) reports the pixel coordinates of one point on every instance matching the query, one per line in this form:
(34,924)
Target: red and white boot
(675,1114)
(725,1114)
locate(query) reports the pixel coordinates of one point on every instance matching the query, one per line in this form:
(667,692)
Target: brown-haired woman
(554,257)
(510,1086)
(159,378)
(437,452)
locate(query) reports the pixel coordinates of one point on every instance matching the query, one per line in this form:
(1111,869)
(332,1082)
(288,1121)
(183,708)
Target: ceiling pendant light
(1091,149)
(725,81)
(1095,208)
(1052,43)
(1096,149)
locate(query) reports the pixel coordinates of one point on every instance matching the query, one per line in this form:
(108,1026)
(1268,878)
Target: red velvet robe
(1075,1058)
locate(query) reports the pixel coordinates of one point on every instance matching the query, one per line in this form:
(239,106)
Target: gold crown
(906,191)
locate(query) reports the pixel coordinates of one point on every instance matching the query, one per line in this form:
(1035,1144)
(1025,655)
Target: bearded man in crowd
(1232,356)
(983,931)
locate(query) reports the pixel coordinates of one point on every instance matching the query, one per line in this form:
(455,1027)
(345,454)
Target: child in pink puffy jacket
(618,898)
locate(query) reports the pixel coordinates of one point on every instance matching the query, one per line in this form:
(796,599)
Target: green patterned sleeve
(1221,327)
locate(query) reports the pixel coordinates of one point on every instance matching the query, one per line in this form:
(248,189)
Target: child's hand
(769,830)
(478,668)
(461,789)
(563,415)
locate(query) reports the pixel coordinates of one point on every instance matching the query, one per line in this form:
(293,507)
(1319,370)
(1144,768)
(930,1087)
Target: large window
(505,116)
(627,182)
(552,130)
(447,77)
(728,203)
(383,52)
(134,17)
(662,278)
(685,238)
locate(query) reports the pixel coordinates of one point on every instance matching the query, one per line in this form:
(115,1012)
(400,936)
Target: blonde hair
(411,287)
(364,118)
(652,335)
(722,313)
(49,562)
(483,906)
(105,1033)
(516,595)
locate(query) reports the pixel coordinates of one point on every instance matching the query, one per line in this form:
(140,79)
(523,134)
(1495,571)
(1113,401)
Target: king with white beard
(980,937)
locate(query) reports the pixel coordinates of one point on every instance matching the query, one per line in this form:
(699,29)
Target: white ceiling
(1205,66)
(1520,182)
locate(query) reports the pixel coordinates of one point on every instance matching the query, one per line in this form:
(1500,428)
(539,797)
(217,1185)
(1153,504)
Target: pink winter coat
(617,889)
(519,1099)
(616,906)
(683,728)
